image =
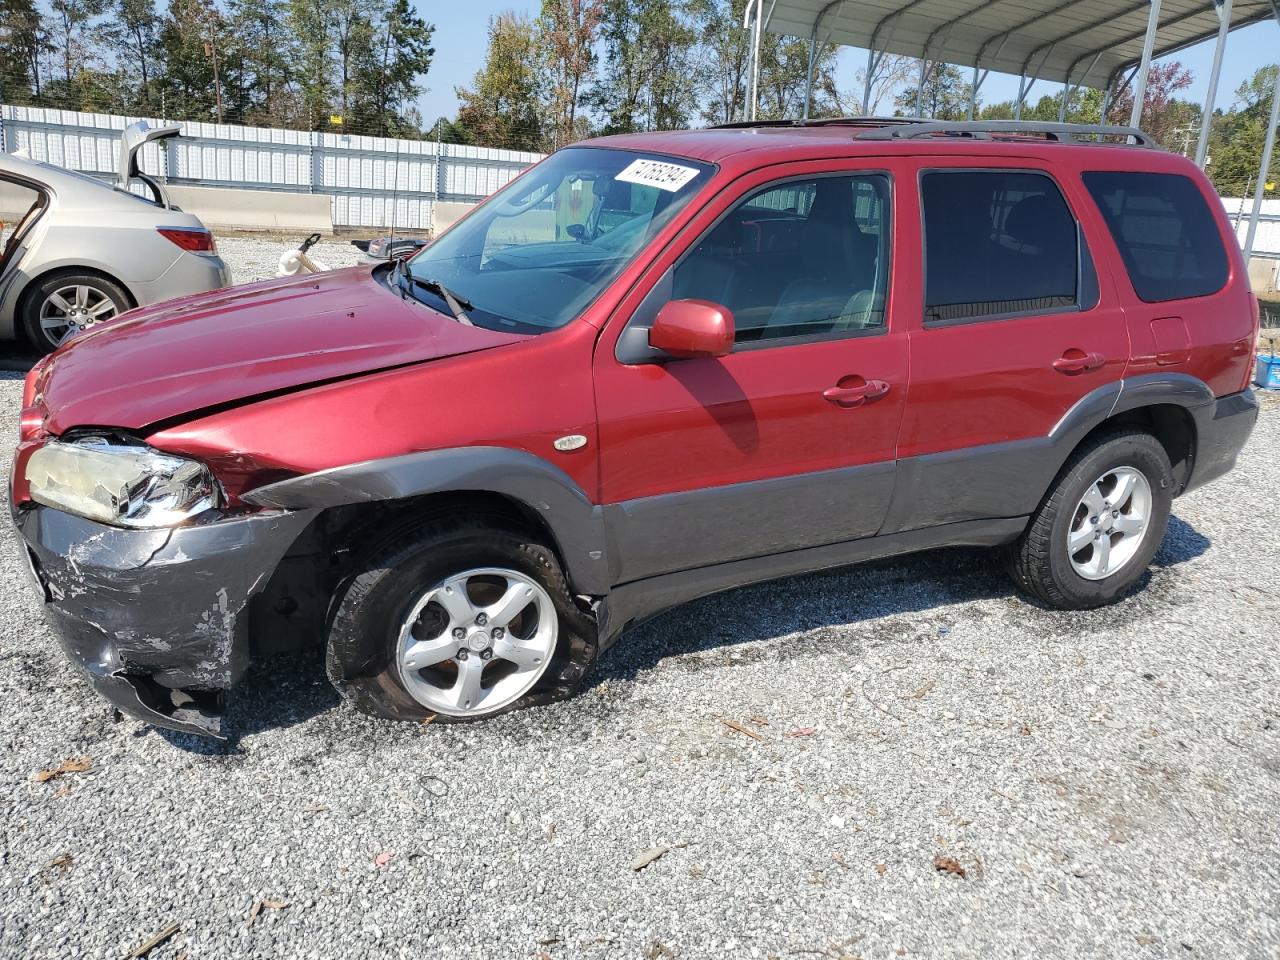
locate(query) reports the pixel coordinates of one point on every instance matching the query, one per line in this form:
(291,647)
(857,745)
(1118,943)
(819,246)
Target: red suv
(653,367)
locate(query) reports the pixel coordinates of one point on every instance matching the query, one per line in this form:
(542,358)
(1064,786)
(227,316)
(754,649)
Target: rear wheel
(460,621)
(1097,530)
(61,306)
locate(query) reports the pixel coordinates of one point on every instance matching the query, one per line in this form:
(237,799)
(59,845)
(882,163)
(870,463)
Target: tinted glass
(1168,238)
(807,258)
(535,254)
(997,243)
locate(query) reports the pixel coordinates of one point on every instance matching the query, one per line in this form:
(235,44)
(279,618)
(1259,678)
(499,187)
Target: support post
(755,59)
(973,92)
(808,76)
(1223,8)
(1022,93)
(924,65)
(1260,188)
(1148,45)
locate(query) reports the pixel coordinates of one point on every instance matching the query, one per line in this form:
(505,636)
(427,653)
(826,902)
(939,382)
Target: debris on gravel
(1103,783)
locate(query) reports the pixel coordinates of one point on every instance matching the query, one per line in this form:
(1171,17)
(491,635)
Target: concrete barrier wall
(222,208)
(1264,274)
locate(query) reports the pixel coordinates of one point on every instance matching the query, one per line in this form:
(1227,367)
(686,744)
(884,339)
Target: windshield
(539,251)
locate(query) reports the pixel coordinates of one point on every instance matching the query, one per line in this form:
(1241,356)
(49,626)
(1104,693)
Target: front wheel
(1099,526)
(458,620)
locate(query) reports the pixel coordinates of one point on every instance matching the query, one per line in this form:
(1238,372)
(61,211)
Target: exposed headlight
(126,485)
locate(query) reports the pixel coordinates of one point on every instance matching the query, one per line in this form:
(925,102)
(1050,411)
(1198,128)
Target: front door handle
(1077,361)
(856,392)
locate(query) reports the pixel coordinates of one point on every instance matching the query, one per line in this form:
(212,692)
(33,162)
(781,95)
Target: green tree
(1235,147)
(400,55)
(649,63)
(944,95)
(568,29)
(503,106)
(266,51)
(309,22)
(194,42)
(24,40)
(132,35)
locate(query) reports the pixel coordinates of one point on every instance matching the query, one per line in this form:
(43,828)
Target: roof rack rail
(989,129)
(819,122)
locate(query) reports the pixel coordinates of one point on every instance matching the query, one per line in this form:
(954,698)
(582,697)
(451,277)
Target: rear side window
(997,243)
(1166,234)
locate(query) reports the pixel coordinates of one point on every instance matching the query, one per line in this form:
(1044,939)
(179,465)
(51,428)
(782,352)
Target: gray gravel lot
(1109,781)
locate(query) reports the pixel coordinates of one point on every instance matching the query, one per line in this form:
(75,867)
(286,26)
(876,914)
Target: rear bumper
(1222,428)
(190,273)
(157,618)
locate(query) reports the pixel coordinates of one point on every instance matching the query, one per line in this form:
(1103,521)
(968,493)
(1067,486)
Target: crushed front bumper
(157,618)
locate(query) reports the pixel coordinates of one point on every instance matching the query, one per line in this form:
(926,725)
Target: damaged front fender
(157,617)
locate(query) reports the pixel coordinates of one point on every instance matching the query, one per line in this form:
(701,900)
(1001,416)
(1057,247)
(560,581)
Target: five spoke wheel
(476,642)
(1109,523)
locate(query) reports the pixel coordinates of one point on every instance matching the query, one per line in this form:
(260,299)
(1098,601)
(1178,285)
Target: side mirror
(686,329)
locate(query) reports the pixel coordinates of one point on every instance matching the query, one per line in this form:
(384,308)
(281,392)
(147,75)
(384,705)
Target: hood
(218,348)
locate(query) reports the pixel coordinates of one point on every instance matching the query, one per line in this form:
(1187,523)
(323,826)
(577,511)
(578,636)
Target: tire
(364,650)
(91,297)
(1042,562)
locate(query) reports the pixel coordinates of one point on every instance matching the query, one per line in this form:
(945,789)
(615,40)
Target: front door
(789,441)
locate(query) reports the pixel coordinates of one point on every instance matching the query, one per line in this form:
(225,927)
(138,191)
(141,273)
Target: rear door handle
(855,395)
(1077,361)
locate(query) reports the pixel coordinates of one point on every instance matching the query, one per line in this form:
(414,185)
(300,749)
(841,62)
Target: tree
(193,43)
(569,29)
(890,73)
(266,51)
(944,94)
(309,23)
(1163,81)
(133,35)
(502,107)
(784,64)
(649,66)
(24,40)
(400,53)
(1235,147)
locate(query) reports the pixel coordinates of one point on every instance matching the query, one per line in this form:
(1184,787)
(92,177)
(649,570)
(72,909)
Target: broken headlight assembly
(123,484)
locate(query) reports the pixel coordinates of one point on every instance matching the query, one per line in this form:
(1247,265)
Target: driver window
(805,258)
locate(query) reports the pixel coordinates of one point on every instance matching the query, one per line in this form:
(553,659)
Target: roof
(1052,39)
(774,142)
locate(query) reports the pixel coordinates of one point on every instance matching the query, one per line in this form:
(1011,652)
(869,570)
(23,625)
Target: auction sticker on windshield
(656,173)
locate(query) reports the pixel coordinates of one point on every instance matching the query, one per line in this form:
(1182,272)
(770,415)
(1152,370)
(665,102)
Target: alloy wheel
(477,642)
(72,308)
(1109,523)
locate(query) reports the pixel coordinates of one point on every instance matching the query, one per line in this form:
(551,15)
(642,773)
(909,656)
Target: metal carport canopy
(1085,42)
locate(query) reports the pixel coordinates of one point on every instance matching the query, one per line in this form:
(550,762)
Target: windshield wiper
(457,305)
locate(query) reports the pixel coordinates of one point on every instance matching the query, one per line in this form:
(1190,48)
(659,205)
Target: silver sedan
(86,250)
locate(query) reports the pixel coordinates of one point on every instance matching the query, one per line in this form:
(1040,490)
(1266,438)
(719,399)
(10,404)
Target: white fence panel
(373,181)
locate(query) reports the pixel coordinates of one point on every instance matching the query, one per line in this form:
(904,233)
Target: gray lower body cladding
(157,618)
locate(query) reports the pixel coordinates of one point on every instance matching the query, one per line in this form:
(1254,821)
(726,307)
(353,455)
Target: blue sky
(461,35)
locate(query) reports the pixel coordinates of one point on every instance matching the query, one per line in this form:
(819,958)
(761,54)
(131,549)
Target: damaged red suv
(653,367)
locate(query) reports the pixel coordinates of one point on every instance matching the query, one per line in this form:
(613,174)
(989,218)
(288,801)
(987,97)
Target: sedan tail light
(191,239)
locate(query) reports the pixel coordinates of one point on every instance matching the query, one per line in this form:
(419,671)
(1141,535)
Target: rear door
(1017,326)
(16,237)
(789,441)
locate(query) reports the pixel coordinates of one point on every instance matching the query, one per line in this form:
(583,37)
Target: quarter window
(1170,243)
(806,258)
(997,243)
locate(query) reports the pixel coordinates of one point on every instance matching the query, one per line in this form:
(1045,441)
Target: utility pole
(211,50)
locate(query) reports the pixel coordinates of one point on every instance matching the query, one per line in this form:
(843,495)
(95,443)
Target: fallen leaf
(70,765)
(62,861)
(646,858)
(659,949)
(550,941)
(735,725)
(1026,729)
(757,720)
(949,865)
(63,791)
(882,869)
(253,913)
(382,859)
(551,830)
(147,946)
(922,692)
(429,718)
(275,904)
(1145,939)
(802,731)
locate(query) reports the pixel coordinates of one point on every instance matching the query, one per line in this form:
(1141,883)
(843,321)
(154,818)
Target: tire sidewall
(1143,453)
(365,625)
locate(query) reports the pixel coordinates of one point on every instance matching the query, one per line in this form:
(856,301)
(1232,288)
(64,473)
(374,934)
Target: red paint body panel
(653,428)
(221,347)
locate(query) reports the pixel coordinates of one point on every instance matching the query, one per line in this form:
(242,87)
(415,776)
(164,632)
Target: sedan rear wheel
(61,307)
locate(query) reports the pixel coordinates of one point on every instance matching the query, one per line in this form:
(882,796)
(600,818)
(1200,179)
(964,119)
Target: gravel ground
(1108,781)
